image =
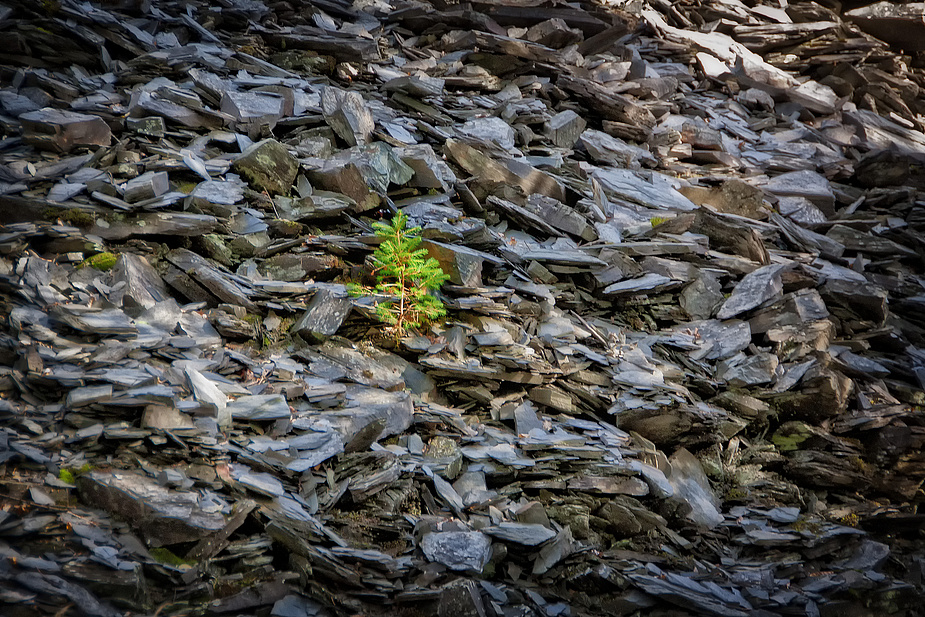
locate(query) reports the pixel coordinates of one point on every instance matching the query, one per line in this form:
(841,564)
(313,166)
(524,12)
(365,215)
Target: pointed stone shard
(62,131)
(462,264)
(753,290)
(809,184)
(324,315)
(207,392)
(430,171)
(253,110)
(347,113)
(458,550)
(529,179)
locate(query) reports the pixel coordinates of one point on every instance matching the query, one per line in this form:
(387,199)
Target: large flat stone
(162,516)
(268,166)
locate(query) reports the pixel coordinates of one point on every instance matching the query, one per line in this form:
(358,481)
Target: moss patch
(168,558)
(73,216)
(69,475)
(100,261)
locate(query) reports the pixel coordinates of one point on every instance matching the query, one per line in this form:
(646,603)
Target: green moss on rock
(100,261)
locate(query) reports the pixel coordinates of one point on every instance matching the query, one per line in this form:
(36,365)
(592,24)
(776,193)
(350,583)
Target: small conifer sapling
(407,275)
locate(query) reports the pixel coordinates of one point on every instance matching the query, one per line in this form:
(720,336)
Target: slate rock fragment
(267,166)
(462,264)
(564,128)
(162,516)
(346,112)
(259,407)
(753,290)
(323,316)
(62,131)
(463,551)
(146,186)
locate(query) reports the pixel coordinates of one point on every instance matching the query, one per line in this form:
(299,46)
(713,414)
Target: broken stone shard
(162,516)
(346,112)
(267,166)
(62,131)
(458,550)
(564,128)
(753,290)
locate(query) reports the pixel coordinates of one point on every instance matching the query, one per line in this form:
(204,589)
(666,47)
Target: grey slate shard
(146,186)
(297,606)
(323,316)
(259,407)
(564,128)
(262,483)
(458,550)
(753,290)
(267,166)
(347,113)
(49,585)
(62,131)
(137,285)
(521,533)
(808,184)
(162,516)
(89,320)
(462,264)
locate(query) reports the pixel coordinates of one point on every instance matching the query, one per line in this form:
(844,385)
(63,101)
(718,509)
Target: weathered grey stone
(253,110)
(341,176)
(521,533)
(808,184)
(693,488)
(211,193)
(165,417)
(379,165)
(490,131)
(564,128)
(753,290)
(462,264)
(701,298)
(823,394)
(136,284)
(561,216)
(346,112)
(623,523)
(741,370)
(430,171)
(613,150)
(146,186)
(207,392)
(732,196)
(162,516)
(62,131)
(458,550)
(719,340)
(267,166)
(324,315)
(460,599)
(152,126)
(259,407)
(529,179)
(743,405)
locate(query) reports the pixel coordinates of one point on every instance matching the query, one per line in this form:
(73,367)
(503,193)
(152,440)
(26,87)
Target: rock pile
(683,366)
